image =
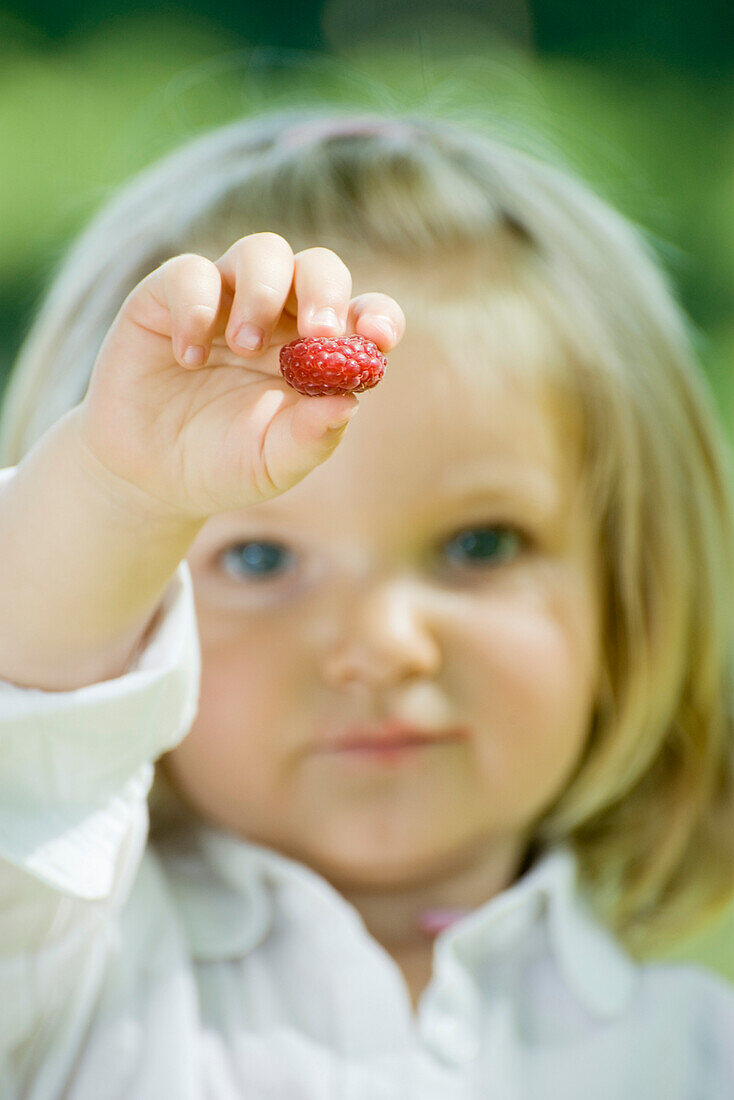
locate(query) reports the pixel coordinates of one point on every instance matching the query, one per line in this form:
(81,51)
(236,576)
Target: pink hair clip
(306,132)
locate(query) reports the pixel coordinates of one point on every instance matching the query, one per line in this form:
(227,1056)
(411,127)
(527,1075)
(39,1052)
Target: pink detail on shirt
(433,921)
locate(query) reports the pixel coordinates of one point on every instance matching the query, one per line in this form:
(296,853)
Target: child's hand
(227,431)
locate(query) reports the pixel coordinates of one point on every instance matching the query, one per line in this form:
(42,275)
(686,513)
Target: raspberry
(317,365)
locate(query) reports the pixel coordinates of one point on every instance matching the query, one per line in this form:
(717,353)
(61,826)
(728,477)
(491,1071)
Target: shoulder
(698,1005)
(694,988)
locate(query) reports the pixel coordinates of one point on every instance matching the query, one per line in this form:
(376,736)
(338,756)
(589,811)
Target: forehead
(450,395)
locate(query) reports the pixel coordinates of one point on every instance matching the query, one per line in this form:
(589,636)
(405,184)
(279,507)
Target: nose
(385,639)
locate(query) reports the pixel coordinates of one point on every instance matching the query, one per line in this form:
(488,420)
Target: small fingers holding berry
(378,317)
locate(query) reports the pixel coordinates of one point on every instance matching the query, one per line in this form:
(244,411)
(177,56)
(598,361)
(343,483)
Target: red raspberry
(317,365)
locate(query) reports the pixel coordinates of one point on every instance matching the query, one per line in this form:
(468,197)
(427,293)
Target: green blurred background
(636,97)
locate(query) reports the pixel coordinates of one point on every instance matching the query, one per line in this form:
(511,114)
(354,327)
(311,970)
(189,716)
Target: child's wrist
(86,560)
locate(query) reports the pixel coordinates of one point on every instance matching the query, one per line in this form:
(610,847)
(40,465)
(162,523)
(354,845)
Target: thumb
(304,434)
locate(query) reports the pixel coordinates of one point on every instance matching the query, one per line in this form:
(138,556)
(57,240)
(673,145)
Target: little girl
(440,702)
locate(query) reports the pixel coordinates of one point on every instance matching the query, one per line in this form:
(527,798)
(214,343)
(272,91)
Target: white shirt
(208,968)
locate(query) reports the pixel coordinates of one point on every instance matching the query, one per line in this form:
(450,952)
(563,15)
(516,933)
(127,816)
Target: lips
(387,735)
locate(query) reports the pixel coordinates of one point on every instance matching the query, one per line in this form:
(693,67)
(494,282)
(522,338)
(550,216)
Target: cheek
(531,688)
(241,686)
(229,765)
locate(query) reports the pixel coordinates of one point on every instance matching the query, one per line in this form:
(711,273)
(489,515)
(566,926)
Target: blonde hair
(650,807)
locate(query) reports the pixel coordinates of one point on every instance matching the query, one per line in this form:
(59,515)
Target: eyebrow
(533,484)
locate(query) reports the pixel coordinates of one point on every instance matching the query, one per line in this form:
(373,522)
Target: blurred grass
(74,122)
(78,119)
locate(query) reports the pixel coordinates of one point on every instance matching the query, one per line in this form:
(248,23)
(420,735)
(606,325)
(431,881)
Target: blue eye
(256,560)
(482,545)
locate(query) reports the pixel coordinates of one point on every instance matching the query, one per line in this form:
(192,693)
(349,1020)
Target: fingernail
(249,336)
(194,356)
(326,317)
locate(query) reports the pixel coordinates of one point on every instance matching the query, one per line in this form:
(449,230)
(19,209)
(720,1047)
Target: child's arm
(85,562)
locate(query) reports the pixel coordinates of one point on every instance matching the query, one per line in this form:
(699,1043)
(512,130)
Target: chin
(367,868)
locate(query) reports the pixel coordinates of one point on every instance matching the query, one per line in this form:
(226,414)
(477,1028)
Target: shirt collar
(592,963)
(211,872)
